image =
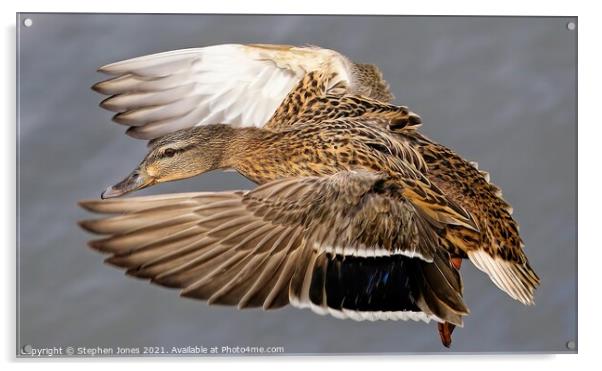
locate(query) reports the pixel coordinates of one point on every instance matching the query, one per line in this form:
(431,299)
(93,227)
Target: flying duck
(357,214)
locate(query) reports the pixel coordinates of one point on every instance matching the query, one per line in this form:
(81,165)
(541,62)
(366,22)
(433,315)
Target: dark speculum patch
(366,284)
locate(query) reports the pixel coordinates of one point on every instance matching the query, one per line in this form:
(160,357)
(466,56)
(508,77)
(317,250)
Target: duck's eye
(170,152)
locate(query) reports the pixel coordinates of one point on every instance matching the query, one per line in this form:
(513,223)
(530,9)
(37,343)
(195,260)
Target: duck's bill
(133,182)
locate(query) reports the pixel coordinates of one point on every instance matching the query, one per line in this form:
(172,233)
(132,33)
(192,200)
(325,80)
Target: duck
(357,214)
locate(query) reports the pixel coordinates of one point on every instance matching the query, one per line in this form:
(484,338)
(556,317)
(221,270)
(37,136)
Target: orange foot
(445,331)
(456,262)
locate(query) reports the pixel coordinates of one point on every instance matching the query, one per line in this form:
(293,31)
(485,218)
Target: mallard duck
(357,214)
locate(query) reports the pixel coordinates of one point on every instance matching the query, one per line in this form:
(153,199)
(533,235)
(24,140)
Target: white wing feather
(240,85)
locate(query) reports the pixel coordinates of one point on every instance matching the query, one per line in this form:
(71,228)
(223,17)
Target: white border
(590,166)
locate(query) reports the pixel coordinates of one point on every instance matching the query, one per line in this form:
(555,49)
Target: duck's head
(179,155)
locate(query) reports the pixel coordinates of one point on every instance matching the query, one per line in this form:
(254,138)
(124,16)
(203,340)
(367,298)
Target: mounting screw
(27,22)
(570,345)
(571,26)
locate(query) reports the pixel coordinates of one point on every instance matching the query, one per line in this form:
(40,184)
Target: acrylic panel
(500,91)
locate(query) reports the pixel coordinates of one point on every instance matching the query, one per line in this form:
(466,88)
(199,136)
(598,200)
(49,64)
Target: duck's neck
(251,151)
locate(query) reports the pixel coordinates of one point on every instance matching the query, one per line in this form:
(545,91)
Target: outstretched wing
(293,240)
(235,84)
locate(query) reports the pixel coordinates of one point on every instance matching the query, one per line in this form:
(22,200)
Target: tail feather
(516,279)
